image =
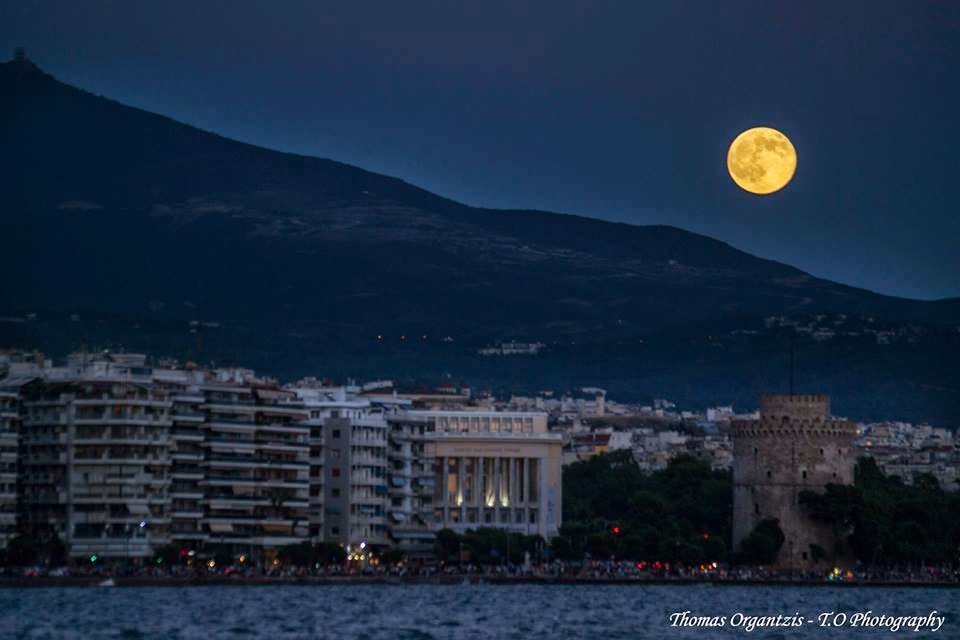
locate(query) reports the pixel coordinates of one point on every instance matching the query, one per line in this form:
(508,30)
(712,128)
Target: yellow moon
(761,160)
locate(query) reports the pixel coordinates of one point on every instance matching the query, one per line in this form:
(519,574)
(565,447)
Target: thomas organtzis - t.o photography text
(932,621)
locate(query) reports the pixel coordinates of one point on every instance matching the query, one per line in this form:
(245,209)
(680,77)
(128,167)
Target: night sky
(617,110)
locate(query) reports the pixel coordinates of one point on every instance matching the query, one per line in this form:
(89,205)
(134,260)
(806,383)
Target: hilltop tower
(794,446)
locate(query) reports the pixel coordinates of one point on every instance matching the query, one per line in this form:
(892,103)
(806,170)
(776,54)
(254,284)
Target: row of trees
(489,546)
(27,549)
(613,509)
(684,514)
(882,521)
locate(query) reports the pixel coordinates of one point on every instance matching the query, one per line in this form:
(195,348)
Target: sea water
(278,612)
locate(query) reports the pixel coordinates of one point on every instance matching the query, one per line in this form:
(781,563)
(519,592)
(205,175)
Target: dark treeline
(611,508)
(882,521)
(683,514)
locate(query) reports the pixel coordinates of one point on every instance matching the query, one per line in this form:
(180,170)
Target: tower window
(756,508)
(755,450)
(821,451)
(768,474)
(804,474)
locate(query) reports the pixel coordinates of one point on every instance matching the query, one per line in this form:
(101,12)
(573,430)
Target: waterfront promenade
(552,573)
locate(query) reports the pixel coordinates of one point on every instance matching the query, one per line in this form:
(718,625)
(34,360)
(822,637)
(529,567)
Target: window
(756,508)
(335,531)
(335,472)
(804,474)
(805,553)
(768,474)
(335,492)
(336,433)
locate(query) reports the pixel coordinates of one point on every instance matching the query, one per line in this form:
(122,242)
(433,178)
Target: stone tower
(795,445)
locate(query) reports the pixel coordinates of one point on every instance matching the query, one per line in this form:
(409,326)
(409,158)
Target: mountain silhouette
(113,212)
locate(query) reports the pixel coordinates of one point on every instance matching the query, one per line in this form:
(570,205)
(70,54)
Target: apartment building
(9,428)
(94,459)
(412,483)
(348,466)
(186,495)
(255,469)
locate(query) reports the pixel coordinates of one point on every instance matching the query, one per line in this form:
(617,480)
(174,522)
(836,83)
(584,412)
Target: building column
(479,495)
(444,484)
(461,487)
(526,481)
(496,490)
(478,487)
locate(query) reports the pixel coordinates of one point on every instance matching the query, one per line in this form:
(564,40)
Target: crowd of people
(594,571)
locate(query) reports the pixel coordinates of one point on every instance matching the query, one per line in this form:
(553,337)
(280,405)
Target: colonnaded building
(117,459)
(795,445)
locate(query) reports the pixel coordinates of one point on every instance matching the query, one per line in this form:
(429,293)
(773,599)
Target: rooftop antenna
(793,334)
(196,328)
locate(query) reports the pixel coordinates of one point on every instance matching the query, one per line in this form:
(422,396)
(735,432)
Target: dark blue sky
(617,110)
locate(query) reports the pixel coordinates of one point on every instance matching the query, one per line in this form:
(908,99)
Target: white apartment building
(94,460)
(9,428)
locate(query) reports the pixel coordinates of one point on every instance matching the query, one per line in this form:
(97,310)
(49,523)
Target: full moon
(761,160)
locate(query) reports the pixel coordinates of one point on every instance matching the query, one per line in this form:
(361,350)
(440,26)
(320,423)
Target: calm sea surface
(277,612)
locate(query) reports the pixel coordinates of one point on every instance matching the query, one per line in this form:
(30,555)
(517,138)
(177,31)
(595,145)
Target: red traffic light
(616,531)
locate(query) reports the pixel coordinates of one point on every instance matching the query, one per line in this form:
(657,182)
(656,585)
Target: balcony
(184,456)
(187,515)
(128,440)
(187,475)
(131,460)
(286,447)
(368,442)
(186,435)
(140,421)
(368,481)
